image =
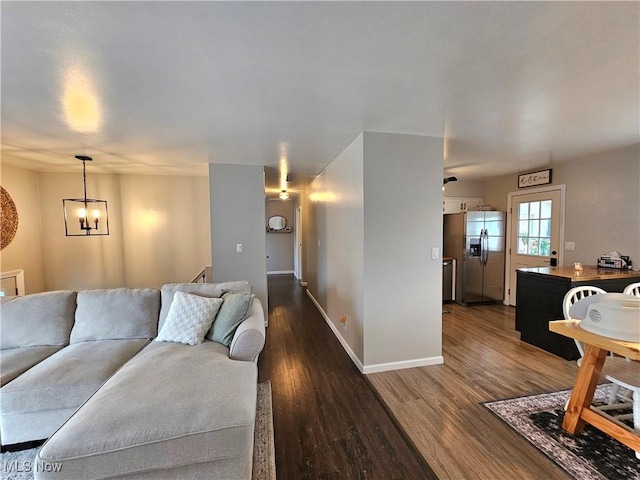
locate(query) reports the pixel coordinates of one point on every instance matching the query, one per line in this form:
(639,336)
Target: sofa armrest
(250,336)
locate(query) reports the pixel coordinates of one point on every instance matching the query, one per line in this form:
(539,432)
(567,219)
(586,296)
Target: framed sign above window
(541,177)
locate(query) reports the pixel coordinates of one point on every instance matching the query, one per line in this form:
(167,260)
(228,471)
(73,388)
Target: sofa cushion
(235,308)
(249,338)
(67,378)
(120,313)
(189,319)
(37,319)
(211,290)
(15,361)
(202,410)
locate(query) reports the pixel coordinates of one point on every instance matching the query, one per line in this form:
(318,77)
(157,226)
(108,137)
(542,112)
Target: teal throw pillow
(234,309)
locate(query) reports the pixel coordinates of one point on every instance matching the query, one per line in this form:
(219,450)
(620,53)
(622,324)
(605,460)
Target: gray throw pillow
(235,308)
(189,318)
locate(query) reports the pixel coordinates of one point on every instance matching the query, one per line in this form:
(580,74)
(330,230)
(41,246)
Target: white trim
(297,246)
(343,342)
(19,276)
(303,283)
(528,191)
(418,362)
(380,367)
(280,272)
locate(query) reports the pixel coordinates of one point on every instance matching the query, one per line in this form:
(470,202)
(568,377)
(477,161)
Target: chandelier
(85,216)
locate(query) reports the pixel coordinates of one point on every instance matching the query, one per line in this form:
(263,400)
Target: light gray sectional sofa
(83,370)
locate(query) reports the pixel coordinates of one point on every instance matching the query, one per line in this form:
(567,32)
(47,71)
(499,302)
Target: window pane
(523,212)
(545,246)
(523,242)
(533,246)
(534,228)
(545,228)
(523,228)
(534,210)
(545,209)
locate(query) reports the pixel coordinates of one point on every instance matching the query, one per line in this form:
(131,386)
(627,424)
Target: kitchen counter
(589,272)
(539,296)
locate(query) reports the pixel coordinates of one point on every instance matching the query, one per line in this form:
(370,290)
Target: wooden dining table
(579,410)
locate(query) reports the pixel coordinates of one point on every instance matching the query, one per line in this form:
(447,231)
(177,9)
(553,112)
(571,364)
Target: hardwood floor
(328,423)
(439,406)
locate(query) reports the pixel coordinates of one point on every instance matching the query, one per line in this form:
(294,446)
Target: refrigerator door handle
(485,247)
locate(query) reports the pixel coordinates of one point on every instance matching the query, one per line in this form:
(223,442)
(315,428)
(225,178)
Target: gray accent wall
(237,205)
(372,217)
(402,223)
(280,244)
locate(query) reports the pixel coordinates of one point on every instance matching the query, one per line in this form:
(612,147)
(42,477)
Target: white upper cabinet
(460,204)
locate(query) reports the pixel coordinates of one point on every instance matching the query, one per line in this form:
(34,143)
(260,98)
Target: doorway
(535,232)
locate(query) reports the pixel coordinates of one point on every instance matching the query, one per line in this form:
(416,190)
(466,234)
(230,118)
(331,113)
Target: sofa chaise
(119,396)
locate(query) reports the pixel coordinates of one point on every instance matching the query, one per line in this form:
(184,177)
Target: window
(534,228)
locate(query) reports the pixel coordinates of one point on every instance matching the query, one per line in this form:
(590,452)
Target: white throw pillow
(189,319)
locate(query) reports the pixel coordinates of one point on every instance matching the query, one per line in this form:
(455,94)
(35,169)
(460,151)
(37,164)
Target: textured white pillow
(189,319)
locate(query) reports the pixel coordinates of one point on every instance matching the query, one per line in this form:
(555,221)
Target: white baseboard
(419,362)
(376,368)
(343,342)
(280,272)
(303,283)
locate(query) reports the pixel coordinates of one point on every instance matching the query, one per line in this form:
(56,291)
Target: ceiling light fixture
(283,195)
(447,180)
(91,215)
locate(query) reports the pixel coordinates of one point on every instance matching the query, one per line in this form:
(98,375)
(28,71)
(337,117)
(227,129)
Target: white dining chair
(632,289)
(623,373)
(570,298)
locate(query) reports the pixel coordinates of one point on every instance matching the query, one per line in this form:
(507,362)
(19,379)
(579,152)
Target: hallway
(328,423)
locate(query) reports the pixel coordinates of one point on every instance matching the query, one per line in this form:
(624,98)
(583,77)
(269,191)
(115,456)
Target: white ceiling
(511,86)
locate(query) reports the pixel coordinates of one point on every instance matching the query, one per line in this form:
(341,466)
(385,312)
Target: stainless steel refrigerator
(477,240)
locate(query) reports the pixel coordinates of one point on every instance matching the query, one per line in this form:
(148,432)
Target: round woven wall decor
(8,219)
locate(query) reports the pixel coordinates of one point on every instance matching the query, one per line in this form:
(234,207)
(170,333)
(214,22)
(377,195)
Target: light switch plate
(239,248)
(569,245)
(435,253)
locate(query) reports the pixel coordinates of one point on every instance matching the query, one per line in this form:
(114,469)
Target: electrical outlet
(343,322)
(569,245)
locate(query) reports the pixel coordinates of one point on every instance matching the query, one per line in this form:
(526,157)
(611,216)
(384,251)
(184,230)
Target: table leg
(584,387)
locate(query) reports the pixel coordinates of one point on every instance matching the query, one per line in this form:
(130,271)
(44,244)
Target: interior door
(535,231)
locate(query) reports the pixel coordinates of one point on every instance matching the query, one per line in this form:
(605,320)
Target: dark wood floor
(328,423)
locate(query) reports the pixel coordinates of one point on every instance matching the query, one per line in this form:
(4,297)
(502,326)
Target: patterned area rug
(19,465)
(591,455)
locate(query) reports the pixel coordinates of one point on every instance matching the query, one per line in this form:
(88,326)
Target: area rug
(591,455)
(19,465)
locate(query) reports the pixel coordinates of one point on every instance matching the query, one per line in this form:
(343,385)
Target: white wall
(237,204)
(76,263)
(167,218)
(159,231)
(403,222)
(336,206)
(25,251)
(280,245)
(602,203)
(372,217)
(464,188)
